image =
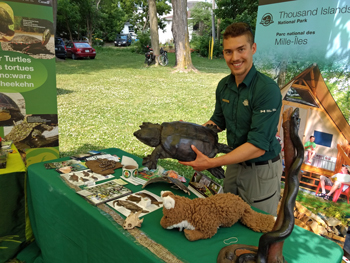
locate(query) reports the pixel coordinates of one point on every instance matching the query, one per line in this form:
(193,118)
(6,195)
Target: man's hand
(201,163)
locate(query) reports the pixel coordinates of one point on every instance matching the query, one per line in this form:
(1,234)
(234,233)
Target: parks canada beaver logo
(267,19)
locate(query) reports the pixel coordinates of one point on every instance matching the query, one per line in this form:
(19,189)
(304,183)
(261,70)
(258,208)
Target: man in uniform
(248,106)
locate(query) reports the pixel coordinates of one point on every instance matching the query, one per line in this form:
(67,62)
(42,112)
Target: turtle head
(149,134)
(46,37)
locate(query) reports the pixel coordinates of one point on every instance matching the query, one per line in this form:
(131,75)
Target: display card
(85,177)
(143,200)
(103,192)
(66,166)
(202,186)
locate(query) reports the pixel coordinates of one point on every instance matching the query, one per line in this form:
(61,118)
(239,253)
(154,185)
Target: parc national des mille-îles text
(295,37)
(11,72)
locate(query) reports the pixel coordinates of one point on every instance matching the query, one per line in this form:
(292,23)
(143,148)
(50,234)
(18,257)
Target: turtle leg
(218,172)
(223,148)
(25,50)
(150,161)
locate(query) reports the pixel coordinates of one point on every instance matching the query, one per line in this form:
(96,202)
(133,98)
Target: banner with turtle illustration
(28,109)
(28,97)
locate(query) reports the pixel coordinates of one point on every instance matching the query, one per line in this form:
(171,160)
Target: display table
(14,225)
(68,229)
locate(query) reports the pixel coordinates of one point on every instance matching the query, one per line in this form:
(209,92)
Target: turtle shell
(9,111)
(6,21)
(25,40)
(21,131)
(177,138)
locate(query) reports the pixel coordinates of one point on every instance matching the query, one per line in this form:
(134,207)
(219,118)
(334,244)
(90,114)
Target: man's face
(312,139)
(238,54)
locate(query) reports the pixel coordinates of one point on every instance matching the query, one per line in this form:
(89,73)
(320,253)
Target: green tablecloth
(14,223)
(68,229)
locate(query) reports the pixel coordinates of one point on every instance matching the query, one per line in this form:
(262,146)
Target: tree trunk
(183,60)
(89,30)
(69,31)
(281,81)
(218,33)
(153,21)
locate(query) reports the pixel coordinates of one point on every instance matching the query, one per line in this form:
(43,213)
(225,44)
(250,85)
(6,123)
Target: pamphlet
(104,192)
(143,200)
(66,166)
(202,186)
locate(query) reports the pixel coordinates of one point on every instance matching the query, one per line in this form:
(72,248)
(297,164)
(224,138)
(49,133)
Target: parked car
(123,40)
(60,48)
(77,50)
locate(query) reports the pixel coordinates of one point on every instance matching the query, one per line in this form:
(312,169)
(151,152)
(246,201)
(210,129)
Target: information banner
(28,96)
(292,35)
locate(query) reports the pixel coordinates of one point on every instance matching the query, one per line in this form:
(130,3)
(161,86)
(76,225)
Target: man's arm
(242,153)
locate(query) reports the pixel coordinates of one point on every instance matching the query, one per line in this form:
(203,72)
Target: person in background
(248,106)
(342,177)
(310,148)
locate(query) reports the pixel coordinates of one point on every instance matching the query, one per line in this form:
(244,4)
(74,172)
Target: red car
(77,50)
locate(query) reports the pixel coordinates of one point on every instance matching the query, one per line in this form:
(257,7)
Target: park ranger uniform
(250,113)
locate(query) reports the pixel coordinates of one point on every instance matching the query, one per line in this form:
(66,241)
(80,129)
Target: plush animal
(201,217)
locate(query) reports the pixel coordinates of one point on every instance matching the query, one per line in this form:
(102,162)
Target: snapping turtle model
(29,135)
(174,140)
(9,111)
(6,22)
(28,43)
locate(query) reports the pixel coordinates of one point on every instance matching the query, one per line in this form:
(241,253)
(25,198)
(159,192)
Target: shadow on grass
(63,91)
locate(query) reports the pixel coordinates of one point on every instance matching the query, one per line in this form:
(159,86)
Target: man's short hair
(239,29)
(312,136)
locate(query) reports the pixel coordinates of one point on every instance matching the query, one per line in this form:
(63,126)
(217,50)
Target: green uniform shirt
(250,112)
(310,143)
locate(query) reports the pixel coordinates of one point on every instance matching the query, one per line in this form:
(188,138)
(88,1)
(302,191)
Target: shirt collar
(247,80)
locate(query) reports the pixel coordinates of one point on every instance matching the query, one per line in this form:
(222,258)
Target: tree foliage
(201,17)
(104,18)
(230,11)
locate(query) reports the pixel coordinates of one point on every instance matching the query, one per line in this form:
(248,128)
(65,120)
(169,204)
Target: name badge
(224,100)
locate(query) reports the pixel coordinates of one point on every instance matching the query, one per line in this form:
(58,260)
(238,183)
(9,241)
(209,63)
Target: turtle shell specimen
(174,140)
(29,135)
(5,22)
(26,43)
(9,111)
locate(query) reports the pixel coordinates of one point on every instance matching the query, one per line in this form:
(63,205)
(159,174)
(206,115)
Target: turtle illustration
(6,22)
(9,111)
(30,44)
(174,140)
(29,135)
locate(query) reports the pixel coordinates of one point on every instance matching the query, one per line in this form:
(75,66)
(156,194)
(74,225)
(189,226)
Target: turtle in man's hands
(174,140)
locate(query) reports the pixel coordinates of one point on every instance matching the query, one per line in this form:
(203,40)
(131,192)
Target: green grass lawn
(102,102)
